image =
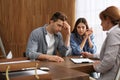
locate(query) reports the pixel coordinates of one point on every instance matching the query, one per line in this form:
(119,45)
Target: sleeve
(75,47)
(32,46)
(111,50)
(63,50)
(94,48)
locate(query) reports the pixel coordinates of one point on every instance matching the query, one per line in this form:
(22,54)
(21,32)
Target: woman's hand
(88,32)
(96,63)
(87,55)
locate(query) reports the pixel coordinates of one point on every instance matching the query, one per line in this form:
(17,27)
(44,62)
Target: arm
(65,51)
(67,31)
(50,58)
(32,46)
(89,55)
(89,35)
(32,49)
(74,45)
(83,43)
(109,54)
(92,47)
(108,61)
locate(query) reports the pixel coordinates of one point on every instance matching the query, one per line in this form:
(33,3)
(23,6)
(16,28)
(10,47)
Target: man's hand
(66,27)
(55,58)
(50,58)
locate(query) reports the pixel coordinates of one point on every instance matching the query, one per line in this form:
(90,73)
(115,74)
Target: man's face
(57,26)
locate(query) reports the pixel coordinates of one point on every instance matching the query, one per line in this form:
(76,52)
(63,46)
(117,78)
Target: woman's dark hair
(80,20)
(58,15)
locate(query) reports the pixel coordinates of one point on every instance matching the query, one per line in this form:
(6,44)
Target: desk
(64,71)
(84,67)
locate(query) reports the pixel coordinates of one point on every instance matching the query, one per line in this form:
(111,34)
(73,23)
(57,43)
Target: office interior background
(19,17)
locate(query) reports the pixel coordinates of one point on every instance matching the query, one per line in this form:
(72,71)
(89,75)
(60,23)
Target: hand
(87,55)
(66,27)
(88,32)
(96,63)
(55,58)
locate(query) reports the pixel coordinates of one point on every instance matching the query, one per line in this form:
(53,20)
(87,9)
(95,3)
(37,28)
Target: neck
(48,28)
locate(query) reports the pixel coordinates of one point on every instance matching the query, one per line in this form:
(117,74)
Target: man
(44,42)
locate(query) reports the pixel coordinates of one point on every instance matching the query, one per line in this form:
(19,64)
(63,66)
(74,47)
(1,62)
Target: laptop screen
(2,48)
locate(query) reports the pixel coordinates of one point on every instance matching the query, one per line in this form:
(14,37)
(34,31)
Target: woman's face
(81,29)
(105,24)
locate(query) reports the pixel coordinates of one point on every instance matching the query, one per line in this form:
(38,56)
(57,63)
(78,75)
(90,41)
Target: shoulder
(114,36)
(36,31)
(115,32)
(39,30)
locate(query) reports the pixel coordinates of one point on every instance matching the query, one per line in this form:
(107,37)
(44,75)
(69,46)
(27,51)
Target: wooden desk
(58,71)
(83,67)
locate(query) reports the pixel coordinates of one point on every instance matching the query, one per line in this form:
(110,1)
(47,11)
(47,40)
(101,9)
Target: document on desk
(26,73)
(81,60)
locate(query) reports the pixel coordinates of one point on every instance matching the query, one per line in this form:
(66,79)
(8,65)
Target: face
(104,24)
(57,26)
(81,28)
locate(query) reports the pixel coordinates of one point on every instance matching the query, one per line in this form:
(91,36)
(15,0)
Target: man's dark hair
(59,15)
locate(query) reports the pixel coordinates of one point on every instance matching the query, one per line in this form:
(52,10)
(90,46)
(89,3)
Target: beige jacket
(110,55)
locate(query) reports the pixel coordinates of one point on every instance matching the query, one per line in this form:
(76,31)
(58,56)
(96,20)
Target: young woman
(110,51)
(81,39)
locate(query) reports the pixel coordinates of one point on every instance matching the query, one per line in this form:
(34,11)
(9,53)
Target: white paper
(81,60)
(26,73)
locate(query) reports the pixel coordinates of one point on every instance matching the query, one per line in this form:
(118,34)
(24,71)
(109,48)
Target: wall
(19,17)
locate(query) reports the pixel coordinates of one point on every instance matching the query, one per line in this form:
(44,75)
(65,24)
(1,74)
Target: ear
(51,21)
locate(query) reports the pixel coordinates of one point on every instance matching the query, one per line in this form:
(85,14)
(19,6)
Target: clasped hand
(88,32)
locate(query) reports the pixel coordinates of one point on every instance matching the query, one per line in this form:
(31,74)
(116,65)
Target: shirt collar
(45,30)
(112,28)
